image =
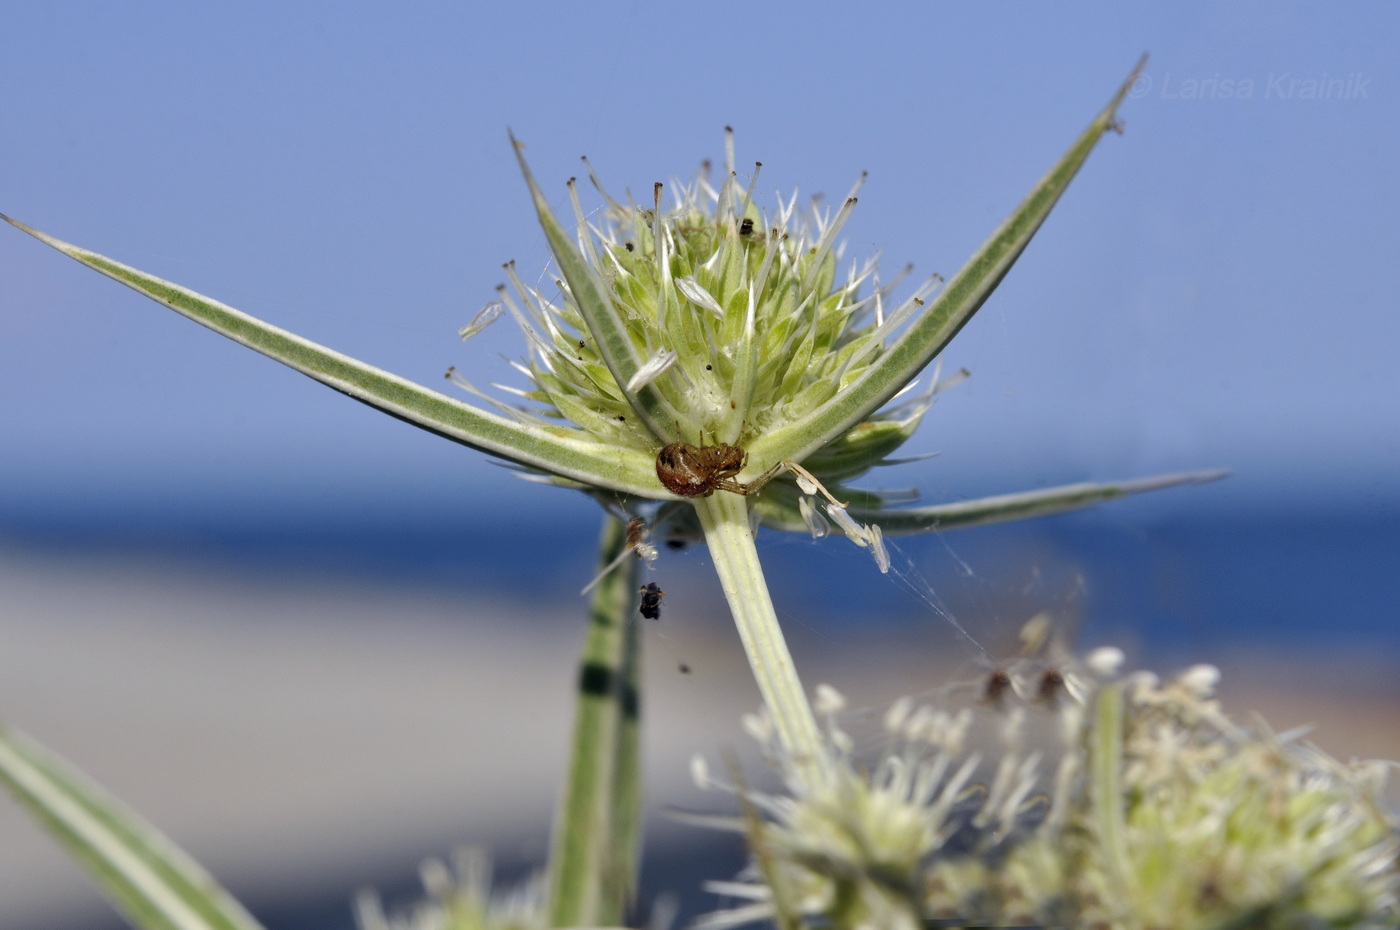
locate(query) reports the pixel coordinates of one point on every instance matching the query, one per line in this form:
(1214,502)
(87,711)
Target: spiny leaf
(154,883)
(940,321)
(781,513)
(558,452)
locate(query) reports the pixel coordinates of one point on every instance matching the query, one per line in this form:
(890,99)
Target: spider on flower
(699,471)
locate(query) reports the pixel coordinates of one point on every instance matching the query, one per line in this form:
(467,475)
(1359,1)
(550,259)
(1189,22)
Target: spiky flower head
(702,318)
(1158,811)
(459,897)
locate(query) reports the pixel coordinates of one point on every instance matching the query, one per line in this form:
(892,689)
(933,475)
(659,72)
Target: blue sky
(1213,290)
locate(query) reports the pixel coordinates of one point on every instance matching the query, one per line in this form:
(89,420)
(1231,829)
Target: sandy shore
(299,736)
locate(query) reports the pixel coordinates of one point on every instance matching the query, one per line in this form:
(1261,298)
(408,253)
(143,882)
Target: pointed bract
(567,453)
(145,876)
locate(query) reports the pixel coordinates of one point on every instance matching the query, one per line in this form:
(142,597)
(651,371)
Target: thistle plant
(679,334)
(701,366)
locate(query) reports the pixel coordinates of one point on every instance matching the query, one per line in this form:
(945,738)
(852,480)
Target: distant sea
(1192,581)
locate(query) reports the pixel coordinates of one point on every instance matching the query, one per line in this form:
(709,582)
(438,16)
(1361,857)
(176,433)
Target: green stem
(593,858)
(1106,758)
(725,519)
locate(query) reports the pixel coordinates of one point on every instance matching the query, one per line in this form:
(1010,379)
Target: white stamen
(1020,789)
(808,483)
(758,727)
(817,524)
(919,726)
(907,309)
(649,371)
(770,249)
(853,530)
(1013,728)
(515,413)
(949,795)
(436,878)
(699,296)
(897,714)
(488,315)
(748,192)
(700,772)
(828,238)
(1200,680)
(543,348)
(877,548)
(828,701)
(956,736)
(535,304)
(598,186)
(510,389)
(590,251)
(953,380)
(1105,662)
(369,911)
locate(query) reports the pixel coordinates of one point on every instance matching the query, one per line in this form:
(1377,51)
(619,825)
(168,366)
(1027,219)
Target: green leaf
(860,448)
(945,315)
(1021,506)
(556,451)
(604,322)
(1003,507)
(151,881)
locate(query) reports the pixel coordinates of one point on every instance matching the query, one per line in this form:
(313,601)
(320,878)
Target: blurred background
(316,645)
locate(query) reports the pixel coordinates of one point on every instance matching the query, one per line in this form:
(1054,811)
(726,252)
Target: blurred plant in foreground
(1159,812)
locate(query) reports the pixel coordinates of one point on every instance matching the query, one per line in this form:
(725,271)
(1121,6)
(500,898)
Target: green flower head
(711,322)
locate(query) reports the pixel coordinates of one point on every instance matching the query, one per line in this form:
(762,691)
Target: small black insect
(746,227)
(1052,685)
(998,685)
(651,601)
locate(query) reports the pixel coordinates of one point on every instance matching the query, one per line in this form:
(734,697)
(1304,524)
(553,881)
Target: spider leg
(756,485)
(732,486)
(804,478)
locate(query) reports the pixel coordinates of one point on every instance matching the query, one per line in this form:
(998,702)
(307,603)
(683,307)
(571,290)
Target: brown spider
(699,471)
